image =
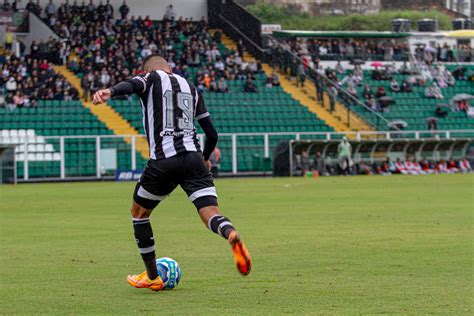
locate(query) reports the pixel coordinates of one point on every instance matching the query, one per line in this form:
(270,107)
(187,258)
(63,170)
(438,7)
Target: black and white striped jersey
(170,104)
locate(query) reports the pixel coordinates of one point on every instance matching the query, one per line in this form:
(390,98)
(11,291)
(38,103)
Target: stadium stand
(243,96)
(272,110)
(113,54)
(415,108)
(199,56)
(411,108)
(58,118)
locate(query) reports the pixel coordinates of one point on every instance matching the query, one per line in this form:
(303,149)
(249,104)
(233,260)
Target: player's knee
(139,211)
(142,202)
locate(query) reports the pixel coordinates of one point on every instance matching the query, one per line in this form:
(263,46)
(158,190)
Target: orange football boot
(241,255)
(142,281)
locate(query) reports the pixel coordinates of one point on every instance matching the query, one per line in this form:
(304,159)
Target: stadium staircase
(306,95)
(107,114)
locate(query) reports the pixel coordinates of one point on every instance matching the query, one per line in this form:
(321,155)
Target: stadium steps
(335,121)
(309,102)
(105,113)
(230,44)
(357,123)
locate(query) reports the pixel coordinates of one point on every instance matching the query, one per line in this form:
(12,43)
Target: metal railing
(89,157)
(343,94)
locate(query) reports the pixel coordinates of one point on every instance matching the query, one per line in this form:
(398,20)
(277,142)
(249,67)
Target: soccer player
(169,105)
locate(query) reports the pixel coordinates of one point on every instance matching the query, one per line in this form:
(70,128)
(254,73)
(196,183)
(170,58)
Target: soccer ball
(169,272)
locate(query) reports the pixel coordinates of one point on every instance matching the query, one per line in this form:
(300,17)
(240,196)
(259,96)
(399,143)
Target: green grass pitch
(342,245)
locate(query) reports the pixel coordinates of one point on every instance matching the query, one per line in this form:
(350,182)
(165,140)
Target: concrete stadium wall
(154,8)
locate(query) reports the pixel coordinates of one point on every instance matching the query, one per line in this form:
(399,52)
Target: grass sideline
(341,245)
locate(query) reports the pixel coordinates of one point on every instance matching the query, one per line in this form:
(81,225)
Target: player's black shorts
(161,177)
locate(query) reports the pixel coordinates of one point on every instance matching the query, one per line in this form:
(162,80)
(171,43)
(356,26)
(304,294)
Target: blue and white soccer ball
(169,271)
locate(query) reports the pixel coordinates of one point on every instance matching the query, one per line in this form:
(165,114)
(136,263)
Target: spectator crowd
(24,81)
(321,166)
(103,50)
(314,50)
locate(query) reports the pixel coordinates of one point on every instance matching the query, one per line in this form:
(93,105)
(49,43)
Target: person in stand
(124,10)
(319,165)
(400,167)
(388,167)
(109,10)
(440,113)
(339,69)
(170,13)
(30,6)
(85,85)
(452,166)
(406,86)
(222,85)
(304,162)
(367,92)
(332,92)
(301,75)
(417,167)
(408,166)
(364,168)
(319,88)
(380,92)
(101,8)
(344,151)
(240,48)
(465,165)
(432,125)
(6,6)
(250,86)
(274,79)
(394,86)
(442,167)
(50,9)
(433,92)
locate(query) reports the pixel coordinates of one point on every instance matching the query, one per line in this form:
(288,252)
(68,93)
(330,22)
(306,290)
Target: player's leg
(141,210)
(221,225)
(199,186)
(154,186)
(144,238)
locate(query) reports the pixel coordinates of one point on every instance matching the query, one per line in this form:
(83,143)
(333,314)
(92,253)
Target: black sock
(220,225)
(146,244)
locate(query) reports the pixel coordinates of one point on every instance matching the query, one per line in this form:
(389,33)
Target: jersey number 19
(184,101)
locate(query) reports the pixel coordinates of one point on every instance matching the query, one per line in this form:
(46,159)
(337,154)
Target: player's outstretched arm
(101,96)
(135,85)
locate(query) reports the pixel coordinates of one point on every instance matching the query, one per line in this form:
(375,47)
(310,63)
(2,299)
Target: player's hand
(208,164)
(101,96)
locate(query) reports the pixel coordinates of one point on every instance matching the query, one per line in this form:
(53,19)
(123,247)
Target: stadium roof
(340,34)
